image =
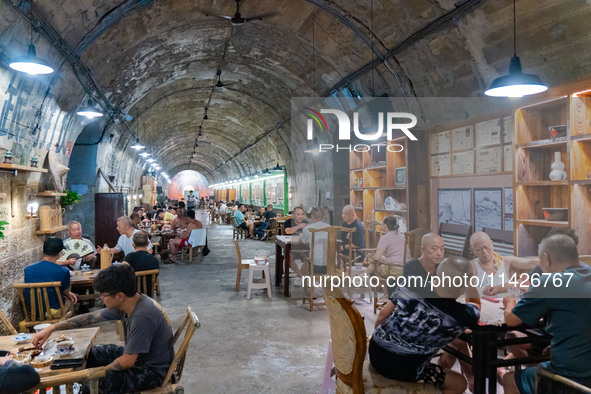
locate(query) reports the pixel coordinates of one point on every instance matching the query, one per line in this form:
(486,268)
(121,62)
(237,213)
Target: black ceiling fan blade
(262,16)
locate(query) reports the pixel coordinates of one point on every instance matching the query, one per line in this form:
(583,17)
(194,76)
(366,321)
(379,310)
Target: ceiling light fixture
(31,64)
(219,83)
(200,132)
(516,84)
(137,145)
(266,172)
(145,154)
(205,117)
(90,111)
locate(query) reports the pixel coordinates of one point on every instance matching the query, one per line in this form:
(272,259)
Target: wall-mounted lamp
(32,209)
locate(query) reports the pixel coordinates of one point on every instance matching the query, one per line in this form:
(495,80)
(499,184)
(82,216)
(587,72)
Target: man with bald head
(125,242)
(350,221)
(432,251)
(563,302)
(411,330)
(490,265)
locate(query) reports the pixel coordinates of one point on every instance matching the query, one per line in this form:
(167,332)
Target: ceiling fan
(219,83)
(238,19)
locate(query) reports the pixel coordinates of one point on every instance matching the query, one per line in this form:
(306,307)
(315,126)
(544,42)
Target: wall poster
(440,165)
(508,158)
(487,209)
(488,160)
(463,163)
(489,133)
(462,138)
(440,142)
(455,206)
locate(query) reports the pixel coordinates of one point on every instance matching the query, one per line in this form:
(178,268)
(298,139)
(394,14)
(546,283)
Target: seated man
(268,215)
(350,221)
(432,251)
(295,225)
(16,378)
(182,239)
(488,265)
(563,302)
(241,223)
(410,330)
(125,241)
(148,352)
(320,240)
(141,260)
(48,270)
(75,232)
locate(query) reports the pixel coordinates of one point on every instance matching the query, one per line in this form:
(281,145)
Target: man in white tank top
(494,270)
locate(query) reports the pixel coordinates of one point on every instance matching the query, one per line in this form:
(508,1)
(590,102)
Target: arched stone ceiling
(158,62)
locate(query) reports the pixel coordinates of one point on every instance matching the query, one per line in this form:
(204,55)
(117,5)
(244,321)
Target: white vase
(557,173)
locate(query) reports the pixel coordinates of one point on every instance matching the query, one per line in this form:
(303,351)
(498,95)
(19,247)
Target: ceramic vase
(557,173)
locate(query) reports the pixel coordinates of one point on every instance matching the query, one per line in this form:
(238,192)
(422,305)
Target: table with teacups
(83,339)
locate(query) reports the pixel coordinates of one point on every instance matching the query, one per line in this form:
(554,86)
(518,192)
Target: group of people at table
(410,330)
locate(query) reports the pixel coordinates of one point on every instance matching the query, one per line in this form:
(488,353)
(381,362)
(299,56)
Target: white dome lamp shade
(31,64)
(90,111)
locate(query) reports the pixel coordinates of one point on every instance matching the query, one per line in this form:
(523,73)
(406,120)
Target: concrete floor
(259,345)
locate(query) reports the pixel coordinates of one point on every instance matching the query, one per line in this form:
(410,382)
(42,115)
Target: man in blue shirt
(48,270)
(240,222)
(561,297)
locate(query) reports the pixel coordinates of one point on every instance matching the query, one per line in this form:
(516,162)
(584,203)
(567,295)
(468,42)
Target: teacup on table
(40,327)
(65,347)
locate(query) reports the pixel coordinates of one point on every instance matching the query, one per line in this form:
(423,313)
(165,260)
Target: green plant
(2,224)
(70,198)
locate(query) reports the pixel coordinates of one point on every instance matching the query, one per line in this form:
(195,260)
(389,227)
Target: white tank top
(485,279)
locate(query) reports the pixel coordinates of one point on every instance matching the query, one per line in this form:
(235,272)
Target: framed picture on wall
(280,191)
(454,206)
(488,209)
(268,191)
(508,201)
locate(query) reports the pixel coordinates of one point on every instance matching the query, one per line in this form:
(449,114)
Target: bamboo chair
(242,265)
(354,374)
(170,383)
(271,231)
(331,259)
(39,310)
(373,233)
(92,375)
(6,322)
(147,282)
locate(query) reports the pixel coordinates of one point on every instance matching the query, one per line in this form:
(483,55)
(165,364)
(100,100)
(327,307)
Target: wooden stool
(264,284)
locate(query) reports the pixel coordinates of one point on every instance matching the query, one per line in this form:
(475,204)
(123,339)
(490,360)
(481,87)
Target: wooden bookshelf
(373,180)
(535,148)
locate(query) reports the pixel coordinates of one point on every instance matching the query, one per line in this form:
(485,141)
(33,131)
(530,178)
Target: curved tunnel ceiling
(158,61)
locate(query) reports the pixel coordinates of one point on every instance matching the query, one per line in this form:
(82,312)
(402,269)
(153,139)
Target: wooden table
(486,339)
(83,278)
(83,340)
(283,251)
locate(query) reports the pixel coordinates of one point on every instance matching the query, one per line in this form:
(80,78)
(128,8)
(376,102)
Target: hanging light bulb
(145,154)
(90,111)
(515,84)
(137,145)
(205,117)
(31,64)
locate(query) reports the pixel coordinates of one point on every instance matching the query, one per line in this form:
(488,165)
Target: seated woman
(390,250)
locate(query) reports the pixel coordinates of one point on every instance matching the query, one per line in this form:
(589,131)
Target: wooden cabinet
(373,183)
(541,130)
